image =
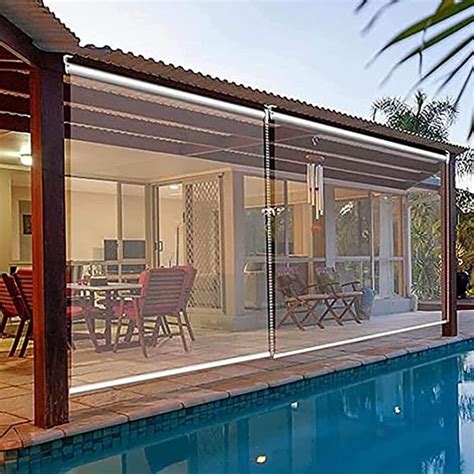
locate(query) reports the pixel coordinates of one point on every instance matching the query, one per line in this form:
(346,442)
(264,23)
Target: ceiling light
(294,405)
(261,459)
(26,159)
(397,410)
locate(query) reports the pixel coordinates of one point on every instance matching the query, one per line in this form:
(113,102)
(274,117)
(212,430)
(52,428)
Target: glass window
(352,222)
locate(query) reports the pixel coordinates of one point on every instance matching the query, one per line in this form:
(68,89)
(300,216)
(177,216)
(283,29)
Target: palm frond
(444,61)
(433,41)
(441,14)
(389,107)
(465,165)
(447,12)
(453,73)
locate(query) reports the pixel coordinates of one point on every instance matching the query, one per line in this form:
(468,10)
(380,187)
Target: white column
(234,242)
(330,224)
(386,247)
(5,219)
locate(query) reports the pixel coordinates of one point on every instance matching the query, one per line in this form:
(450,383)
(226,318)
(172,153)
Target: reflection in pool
(419,419)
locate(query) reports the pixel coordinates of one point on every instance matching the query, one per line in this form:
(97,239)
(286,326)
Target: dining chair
(76,308)
(162,296)
(188,287)
(24,282)
(7,307)
(11,287)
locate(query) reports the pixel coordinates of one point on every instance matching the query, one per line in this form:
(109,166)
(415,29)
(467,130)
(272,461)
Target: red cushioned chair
(163,295)
(74,310)
(15,307)
(7,307)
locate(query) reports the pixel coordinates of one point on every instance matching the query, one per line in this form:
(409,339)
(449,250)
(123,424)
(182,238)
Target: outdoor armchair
(299,298)
(342,296)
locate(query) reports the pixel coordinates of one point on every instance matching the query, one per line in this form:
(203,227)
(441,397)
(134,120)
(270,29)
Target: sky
(310,50)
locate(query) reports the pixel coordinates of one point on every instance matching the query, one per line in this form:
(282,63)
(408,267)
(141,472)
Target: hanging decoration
(315,186)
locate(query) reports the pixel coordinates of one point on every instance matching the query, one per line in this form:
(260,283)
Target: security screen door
(189,230)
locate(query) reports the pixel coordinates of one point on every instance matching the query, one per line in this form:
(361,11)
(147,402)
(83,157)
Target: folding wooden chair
(340,301)
(299,299)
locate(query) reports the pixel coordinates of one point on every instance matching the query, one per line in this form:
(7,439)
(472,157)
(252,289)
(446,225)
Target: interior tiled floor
(113,406)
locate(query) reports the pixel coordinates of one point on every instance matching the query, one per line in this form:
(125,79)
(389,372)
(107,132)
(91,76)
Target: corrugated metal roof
(50,34)
(115,60)
(37,21)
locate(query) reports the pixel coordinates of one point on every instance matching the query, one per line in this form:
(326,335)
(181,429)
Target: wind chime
(314,183)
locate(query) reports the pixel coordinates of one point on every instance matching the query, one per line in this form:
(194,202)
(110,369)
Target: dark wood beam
(14,82)
(154,129)
(325,145)
(143,108)
(49,246)
(14,123)
(341,163)
(220,156)
(448,248)
(14,104)
(17,43)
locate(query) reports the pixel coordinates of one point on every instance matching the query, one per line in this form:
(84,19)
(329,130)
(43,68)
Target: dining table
(108,295)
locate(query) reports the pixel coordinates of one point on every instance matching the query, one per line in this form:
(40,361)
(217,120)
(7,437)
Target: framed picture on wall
(26,224)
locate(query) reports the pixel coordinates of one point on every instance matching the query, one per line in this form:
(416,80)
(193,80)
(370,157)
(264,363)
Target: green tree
(431,119)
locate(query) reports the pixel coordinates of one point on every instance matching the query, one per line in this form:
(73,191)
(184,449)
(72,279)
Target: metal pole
(269,172)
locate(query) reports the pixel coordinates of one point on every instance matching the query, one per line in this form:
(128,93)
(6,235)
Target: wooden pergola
(36,99)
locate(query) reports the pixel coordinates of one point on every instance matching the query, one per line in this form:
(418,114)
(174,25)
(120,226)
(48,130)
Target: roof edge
(266,98)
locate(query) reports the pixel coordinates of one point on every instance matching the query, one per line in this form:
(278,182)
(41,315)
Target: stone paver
(131,402)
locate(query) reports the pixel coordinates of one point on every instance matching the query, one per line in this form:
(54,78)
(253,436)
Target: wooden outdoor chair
(342,296)
(9,284)
(163,296)
(7,307)
(188,287)
(298,298)
(76,308)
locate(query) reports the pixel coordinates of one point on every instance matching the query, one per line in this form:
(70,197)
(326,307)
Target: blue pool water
(416,416)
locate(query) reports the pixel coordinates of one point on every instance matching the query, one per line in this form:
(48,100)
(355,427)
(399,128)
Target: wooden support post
(448,247)
(49,248)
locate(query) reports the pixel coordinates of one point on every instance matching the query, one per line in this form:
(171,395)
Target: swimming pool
(415,415)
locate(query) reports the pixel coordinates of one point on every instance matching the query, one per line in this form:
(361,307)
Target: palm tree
(431,119)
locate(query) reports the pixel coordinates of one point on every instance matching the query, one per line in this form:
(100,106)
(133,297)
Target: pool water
(416,418)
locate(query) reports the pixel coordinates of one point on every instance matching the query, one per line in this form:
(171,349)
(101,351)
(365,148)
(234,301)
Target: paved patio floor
(118,405)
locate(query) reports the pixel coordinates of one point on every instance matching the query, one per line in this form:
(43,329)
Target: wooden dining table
(110,294)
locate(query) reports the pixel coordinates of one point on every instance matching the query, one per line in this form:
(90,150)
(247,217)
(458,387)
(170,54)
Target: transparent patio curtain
(355,258)
(162,185)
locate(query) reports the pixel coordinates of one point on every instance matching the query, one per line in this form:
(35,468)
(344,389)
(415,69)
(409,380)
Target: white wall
(91,217)
(5,219)
(171,222)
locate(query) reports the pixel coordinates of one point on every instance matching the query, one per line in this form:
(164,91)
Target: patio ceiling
(111,115)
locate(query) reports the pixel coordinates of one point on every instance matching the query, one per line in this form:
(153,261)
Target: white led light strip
(92,387)
(329,345)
